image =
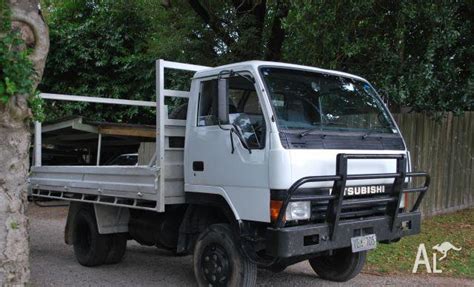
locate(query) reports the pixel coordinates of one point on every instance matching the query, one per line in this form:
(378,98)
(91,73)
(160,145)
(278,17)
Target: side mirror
(223,101)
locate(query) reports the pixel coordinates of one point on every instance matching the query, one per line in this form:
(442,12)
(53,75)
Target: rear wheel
(90,247)
(341,266)
(118,246)
(219,261)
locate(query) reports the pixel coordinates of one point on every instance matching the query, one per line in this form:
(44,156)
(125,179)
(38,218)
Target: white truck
(278,163)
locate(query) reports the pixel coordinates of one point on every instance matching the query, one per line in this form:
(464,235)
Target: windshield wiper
(374,130)
(308,131)
(367,134)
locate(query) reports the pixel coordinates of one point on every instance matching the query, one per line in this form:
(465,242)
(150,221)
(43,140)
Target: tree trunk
(277,35)
(15,143)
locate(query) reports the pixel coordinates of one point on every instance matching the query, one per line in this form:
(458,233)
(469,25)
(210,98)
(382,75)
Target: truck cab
(287,122)
(281,163)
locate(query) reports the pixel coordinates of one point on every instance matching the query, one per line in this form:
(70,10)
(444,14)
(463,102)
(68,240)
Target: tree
(20,73)
(107,48)
(244,29)
(419,53)
(99,49)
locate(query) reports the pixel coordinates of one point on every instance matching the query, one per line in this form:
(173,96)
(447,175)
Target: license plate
(362,243)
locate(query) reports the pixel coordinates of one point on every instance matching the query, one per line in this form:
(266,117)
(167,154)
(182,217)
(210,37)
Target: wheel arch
(203,210)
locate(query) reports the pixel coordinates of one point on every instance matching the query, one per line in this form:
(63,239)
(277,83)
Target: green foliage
(97,50)
(16,70)
(36,105)
(418,53)
(108,49)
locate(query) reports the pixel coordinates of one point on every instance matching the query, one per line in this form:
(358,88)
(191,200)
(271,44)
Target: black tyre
(341,266)
(90,247)
(118,246)
(218,260)
(277,267)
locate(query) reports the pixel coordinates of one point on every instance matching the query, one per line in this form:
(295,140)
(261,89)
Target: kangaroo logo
(444,247)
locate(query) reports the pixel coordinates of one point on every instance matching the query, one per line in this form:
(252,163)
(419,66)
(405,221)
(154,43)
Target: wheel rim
(215,265)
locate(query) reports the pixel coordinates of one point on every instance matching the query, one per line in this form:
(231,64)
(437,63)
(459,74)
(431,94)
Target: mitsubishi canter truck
(265,165)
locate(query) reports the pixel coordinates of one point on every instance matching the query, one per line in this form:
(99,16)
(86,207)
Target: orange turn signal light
(275,206)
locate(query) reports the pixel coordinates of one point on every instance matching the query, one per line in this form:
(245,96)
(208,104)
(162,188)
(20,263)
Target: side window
(207,115)
(245,111)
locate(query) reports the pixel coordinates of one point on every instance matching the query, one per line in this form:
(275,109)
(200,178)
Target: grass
(457,228)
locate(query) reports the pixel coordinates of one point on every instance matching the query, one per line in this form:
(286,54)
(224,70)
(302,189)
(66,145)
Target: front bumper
(313,238)
(343,217)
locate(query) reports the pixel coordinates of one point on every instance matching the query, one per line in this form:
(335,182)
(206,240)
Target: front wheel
(218,259)
(341,266)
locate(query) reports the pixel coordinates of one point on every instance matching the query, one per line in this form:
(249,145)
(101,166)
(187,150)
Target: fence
(444,149)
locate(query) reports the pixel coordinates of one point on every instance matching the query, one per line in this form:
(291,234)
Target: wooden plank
(461,153)
(445,150)
(427,149)
(441,165)
(470,188)
(453,173)
(458,165)
(411,124)
(434,132)
(417,140)
(464,155)
(408,130)
(469,192)
(128,131)
(447,174)
(451,197)
(437,164)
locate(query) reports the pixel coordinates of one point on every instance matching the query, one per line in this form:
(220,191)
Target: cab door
(217,161)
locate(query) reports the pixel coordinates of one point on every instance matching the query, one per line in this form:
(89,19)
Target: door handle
(198,166)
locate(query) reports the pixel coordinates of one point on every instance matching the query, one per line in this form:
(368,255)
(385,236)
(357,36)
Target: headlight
(298,210)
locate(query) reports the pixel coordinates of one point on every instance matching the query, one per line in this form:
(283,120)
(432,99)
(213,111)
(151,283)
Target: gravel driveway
(53,264)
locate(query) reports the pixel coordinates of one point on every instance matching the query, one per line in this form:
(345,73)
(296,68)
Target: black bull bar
(336,198)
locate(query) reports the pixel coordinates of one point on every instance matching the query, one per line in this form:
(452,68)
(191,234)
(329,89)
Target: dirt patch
(49,210)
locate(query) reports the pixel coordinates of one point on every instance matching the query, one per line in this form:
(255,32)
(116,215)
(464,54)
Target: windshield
(312,102)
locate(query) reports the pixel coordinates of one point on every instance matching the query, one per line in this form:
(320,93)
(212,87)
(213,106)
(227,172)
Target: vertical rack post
(37,144)
(160,133)
(162,121)
(99,145)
